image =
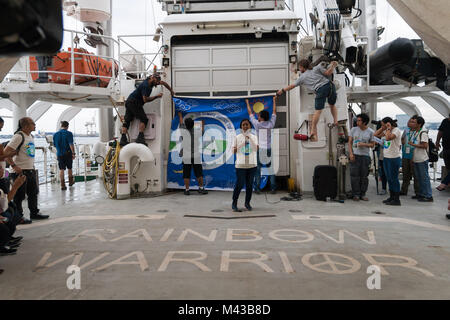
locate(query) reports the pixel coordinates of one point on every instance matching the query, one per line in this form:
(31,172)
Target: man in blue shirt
(63,141)
(134,106)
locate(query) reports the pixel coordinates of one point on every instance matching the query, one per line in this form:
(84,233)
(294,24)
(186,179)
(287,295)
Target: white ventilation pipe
(126,154)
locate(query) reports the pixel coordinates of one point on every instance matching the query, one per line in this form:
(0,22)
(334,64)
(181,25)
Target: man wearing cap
(135,106)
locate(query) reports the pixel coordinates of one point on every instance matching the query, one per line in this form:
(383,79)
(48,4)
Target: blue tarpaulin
(221,118)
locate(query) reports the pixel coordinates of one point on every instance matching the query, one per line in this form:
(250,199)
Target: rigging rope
(111,170)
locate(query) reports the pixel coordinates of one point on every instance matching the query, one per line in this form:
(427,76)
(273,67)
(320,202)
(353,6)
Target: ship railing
(114,80)
(148,57)
(48,170)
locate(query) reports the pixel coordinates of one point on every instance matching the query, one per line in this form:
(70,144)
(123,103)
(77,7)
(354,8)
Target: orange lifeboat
(88,66)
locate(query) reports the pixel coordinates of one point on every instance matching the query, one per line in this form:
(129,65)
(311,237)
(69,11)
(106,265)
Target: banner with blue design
(221,119)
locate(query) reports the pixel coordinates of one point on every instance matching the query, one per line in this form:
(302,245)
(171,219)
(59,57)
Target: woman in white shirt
(245,146)
(392,151)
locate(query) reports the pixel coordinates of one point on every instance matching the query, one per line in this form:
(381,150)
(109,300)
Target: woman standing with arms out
(316,79)
(392,150)
(245,146)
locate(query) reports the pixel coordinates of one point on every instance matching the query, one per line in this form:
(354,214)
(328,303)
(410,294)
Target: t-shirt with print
(264,130)
(246,155)
(407,149)
(420,154)
(393,148)
(313,79)
(365,136)
(25,157)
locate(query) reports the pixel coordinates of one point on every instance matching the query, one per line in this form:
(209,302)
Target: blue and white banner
(221,118)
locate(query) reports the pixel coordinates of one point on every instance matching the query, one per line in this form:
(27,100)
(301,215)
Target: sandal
(313,138)
(440,189)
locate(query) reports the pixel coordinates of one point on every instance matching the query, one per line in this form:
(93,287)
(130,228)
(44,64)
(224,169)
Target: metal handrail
(144,55)
(72,73)
(46,164)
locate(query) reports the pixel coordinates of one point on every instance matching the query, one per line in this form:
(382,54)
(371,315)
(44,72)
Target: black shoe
(141,139)
(423,199)
(13,242)
(13,245)
(403,193)
(123,140)
(416,197)
(448,216)
(395,200)
(25,221)
(5,251)
(16,238)
(394,203)
(248,206)
(186,192)
(391,197)
(235,208)
(38,216)
(202,191)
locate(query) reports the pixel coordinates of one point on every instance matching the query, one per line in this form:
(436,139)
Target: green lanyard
(418,133)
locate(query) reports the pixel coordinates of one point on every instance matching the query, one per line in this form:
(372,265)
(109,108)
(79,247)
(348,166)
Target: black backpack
(4,144)
(433,154)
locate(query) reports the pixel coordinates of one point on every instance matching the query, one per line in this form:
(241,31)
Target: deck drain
(295,210)
(162,210)
(217,210)
(378,212)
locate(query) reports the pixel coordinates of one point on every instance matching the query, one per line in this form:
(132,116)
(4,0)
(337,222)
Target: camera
(376,122)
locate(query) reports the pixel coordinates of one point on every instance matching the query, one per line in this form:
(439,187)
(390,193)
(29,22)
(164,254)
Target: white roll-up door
(236,69)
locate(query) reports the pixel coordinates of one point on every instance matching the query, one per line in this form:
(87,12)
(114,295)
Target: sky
(142,18)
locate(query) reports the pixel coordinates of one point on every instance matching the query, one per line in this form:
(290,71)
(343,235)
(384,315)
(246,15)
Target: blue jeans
(382,174)
(391,169)
(244,176)
(265,153)
(421,171)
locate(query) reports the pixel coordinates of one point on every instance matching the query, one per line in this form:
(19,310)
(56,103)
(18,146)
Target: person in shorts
(134,106)
(317,79)
(191,156)
(63,141)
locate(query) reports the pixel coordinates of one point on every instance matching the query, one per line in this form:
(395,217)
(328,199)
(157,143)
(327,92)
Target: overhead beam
(438,103)
(408,107)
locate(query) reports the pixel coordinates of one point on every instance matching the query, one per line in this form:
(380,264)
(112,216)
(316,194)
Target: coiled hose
(111,169)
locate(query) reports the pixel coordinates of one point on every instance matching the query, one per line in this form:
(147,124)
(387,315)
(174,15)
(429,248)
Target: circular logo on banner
(216,139)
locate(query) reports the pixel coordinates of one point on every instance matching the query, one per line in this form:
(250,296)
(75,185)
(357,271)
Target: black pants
(244,176)
(4,235)
(359,172)
(134,109)
(30,188)
(13,216)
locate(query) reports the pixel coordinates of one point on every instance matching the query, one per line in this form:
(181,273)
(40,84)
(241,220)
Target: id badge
(408,149)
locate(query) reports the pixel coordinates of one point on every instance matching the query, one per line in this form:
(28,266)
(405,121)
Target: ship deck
(178,247)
